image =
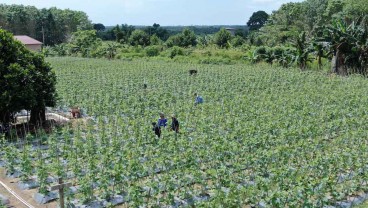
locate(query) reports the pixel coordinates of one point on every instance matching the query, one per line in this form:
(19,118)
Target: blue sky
(163,12)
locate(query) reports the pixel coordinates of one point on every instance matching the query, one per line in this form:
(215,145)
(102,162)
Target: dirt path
(25,195)
(14,203)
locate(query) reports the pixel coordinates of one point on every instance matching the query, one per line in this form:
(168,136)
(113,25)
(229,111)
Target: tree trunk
(338,65)
(38,115)
(7,117)
(333,64)
(4,117)
(319,62)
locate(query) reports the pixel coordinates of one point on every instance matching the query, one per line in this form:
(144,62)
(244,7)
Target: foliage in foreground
(26,81)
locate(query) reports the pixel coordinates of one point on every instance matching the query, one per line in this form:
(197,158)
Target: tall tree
(302,51)
(222,38)
(355,8)
(157,30)
(123,34)
(84,41)
(49,32)
(99,27)
(184,39)
(188,38)
(349,45)
(139,37)
(257,20)
(26,81)
(51,26)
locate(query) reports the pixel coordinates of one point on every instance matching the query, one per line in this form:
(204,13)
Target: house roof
(26,40)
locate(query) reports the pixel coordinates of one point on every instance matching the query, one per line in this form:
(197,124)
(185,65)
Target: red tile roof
(27,40)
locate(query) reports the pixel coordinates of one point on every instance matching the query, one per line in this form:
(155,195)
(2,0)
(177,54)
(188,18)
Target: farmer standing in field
(174,123)
(198,99)
(162,121)
(156,128)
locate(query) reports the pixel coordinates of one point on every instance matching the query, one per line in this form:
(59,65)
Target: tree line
(332,29)
(311,16)
(292,35)
(51,26)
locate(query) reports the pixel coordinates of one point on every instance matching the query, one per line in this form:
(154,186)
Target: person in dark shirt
(156,129)
(174,124)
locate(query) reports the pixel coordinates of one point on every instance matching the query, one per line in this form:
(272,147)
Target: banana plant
(348,43)
(301,56)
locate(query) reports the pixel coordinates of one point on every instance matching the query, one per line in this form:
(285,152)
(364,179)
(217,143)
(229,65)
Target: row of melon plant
(263,137)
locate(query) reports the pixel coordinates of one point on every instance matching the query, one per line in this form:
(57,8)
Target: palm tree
(302,51)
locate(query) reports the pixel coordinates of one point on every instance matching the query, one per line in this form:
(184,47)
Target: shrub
(237,41)
(185,39)
(139,38)
(222,38)
(152,51)
(175,51)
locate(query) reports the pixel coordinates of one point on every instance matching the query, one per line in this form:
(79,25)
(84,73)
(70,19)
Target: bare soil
(26,195)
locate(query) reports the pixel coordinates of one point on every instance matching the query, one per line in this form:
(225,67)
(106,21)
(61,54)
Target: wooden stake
(60,187)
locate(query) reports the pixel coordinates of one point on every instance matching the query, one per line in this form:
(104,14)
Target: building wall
(34,47)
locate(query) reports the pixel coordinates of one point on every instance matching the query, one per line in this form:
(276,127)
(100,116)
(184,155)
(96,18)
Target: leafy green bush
(152,51)
(222,38)
(176,51)
(237,41)
(185,39)
(154,40)
(139,38)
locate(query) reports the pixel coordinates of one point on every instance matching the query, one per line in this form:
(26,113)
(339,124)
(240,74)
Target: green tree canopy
(51,26)
(257,20)
(99,27)
(123,34)
(184,39)
(355,8)
(222,38)
(26,81)
(160,32)
(139,37)
(349,45)
(84,41)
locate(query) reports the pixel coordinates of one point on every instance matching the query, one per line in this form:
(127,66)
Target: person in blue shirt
(162,121)
(198,99)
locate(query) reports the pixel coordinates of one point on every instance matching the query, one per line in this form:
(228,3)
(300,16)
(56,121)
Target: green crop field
(265,137)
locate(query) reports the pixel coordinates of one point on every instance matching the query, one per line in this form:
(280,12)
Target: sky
(163,12)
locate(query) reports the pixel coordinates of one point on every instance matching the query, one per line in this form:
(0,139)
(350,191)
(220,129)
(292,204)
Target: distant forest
(199,29)
(54,26)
